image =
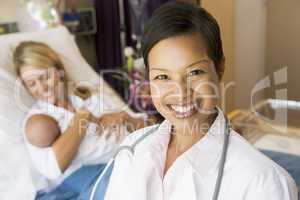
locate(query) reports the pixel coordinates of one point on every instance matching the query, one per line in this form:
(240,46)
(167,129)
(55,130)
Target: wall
(283,42)
(250,46)
(223,11)
(8,10)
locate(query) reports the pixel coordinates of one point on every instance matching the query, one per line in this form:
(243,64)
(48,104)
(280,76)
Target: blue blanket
(78,185)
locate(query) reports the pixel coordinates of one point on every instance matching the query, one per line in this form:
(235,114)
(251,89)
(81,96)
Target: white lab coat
(248,174)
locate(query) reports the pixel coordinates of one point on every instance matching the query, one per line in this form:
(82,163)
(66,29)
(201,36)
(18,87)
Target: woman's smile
(185,109)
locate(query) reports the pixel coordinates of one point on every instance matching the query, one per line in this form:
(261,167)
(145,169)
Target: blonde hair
(38,54)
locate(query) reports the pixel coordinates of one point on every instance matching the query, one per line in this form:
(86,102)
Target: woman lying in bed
(68,136)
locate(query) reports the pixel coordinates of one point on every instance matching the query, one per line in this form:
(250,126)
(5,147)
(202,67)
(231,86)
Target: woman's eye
(196,72)
(30,83)
(161,77)
(45,77)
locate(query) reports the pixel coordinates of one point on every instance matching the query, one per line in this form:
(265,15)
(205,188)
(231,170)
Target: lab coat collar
(203,156)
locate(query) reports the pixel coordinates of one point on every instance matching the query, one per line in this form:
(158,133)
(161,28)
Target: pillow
(57,38)
(16,168)
(14,103)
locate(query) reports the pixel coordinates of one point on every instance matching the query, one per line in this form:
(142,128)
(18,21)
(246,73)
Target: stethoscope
(131,150)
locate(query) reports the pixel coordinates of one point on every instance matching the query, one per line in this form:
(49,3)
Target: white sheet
(15,171)
(279,143)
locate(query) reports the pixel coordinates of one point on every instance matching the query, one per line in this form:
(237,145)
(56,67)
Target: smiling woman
(183,158)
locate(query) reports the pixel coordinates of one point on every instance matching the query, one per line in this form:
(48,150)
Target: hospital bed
(15,168)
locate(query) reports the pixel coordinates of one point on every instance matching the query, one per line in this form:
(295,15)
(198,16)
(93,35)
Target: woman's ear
(221,69)
(60,74)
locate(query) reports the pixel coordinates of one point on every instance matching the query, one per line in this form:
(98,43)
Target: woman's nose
(41,87)
(183,88)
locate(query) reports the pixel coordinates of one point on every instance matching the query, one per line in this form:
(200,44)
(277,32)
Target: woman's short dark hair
(178,18)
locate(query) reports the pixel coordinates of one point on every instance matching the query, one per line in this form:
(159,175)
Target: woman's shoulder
(37,112)
(261,176)
(246,154)
(44,109)
(245,157)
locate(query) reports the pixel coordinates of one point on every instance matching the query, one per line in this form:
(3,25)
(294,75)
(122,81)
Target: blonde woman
(68,137)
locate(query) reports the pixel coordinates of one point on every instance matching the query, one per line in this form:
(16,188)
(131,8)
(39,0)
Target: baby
(50,134)
(51,130)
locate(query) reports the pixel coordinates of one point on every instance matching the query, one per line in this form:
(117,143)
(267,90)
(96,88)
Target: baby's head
(50,133)
(183,54)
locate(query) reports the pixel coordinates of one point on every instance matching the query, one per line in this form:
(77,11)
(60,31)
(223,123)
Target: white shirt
(248,174)
(94,149)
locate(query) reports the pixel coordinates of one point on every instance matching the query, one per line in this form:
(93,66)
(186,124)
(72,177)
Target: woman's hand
(134,123)
(81,120)
(112,123)
(112,119)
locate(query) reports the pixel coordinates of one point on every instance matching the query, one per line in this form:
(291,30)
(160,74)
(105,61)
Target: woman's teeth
(183,111)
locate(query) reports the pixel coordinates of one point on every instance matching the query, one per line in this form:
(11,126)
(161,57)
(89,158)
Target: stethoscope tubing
(222,160)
